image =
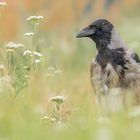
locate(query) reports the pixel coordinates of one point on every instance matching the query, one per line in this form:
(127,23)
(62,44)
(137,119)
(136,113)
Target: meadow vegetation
(45,90)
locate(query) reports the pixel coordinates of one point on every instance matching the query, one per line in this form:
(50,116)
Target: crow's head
(99,31)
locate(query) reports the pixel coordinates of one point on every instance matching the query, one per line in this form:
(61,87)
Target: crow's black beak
(86,32)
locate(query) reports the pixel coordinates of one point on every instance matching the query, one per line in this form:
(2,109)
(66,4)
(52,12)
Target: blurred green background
(28,83)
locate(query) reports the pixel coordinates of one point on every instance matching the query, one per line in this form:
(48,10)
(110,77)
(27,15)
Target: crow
(113,62)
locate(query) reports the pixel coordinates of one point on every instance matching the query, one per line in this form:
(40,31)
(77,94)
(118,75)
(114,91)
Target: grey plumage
(114,65)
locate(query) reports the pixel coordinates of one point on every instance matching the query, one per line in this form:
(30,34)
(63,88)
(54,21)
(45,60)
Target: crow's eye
(98,26)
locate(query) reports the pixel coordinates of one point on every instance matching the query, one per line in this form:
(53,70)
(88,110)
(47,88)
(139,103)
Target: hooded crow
(113,62)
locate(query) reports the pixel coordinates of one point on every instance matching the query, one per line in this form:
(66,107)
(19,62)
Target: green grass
(24,101)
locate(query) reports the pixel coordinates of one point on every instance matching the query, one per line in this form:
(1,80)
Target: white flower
(35,18)
(2,4)
(37,61)
(29,34)
(38,54)
(40,17)
(58,99)
(27,52)
(12,45)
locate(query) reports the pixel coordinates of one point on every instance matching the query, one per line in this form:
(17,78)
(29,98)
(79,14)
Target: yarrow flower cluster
(35,19)
(57,113)
(27,52)
(30,53)
(58,99)
(12,45)
(22,59)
